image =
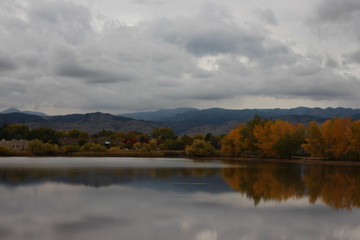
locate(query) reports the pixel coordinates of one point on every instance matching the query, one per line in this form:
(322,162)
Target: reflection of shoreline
(335,186)
(300,160)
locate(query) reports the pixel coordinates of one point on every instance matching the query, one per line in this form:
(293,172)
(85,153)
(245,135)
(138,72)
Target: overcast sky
(59,56)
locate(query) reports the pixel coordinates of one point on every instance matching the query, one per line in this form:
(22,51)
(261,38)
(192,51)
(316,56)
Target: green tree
(74,133)
(93,147)
(162,134)
(39,148)
(6,151)
(200,148)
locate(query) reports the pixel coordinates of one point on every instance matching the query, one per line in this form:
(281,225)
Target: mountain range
(182,120)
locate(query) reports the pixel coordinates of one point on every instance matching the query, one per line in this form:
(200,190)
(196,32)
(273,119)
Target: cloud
(267,16)
(337,18)
(337,11)
(66,55)
(353,57)
(6,64)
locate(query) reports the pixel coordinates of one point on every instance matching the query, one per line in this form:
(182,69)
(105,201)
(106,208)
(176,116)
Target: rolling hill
(183,120)
(89,122)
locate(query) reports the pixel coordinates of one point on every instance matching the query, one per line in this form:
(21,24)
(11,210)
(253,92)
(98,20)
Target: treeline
(46,141)
(337,138)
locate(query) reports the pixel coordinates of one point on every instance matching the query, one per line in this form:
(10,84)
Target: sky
(67,56)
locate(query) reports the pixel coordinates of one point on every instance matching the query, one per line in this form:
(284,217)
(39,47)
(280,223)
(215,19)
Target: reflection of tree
(96,177)
(264,182)
(338,187)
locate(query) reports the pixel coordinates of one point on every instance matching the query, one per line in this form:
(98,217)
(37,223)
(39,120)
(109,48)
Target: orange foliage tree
(279,138)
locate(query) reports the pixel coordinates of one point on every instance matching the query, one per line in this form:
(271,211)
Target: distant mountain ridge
(182,120)
(89,122)
(220,121)
(15,110)
(157,115)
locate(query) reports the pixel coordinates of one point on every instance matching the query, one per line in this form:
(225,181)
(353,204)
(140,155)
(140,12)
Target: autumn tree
(337,136)
(354,148)
(233,144)
(315,143)
(279,138)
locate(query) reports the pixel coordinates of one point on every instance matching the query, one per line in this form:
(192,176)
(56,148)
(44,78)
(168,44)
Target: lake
(175,198)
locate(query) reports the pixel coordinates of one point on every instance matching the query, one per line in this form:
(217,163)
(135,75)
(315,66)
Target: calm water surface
(150,198)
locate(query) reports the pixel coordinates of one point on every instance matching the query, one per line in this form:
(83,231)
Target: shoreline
(309,161)
(180,154)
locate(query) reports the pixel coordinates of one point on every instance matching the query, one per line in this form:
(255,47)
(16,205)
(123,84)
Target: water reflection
(178,202)
(335,186)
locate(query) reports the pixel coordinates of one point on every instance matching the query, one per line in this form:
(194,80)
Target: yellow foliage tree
(233,144)
(337,136)
(279,138)
(315,144)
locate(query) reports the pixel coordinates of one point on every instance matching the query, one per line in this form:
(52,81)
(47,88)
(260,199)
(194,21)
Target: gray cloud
(69,20)
(267,16)
(353,57)
(63,55)
(6,64)
(335,11)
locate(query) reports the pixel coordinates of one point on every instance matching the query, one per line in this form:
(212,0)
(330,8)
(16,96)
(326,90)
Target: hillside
(182,120)
(15,110)
(158,115)
(90,122)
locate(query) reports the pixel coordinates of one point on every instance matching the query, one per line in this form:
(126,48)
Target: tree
(6,151)
(354,148)
(93,147)
(14,131)
(74,133)
(200,148)
(279,138)
(37,147)
(337,135)
(315,143)
(46,135)
(233,143)
(162,134)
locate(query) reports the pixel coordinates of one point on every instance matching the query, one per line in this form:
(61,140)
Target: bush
(39,148)
(70,148)
(93,147)
(6,151)
(200,148)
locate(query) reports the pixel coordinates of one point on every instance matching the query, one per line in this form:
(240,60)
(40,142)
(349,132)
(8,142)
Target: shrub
(93,147)
(70,148)
(200,148)
(37,147)
(6,151)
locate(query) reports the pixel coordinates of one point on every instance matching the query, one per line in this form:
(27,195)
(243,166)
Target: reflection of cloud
(141,213)
(87,223)
(207,235)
